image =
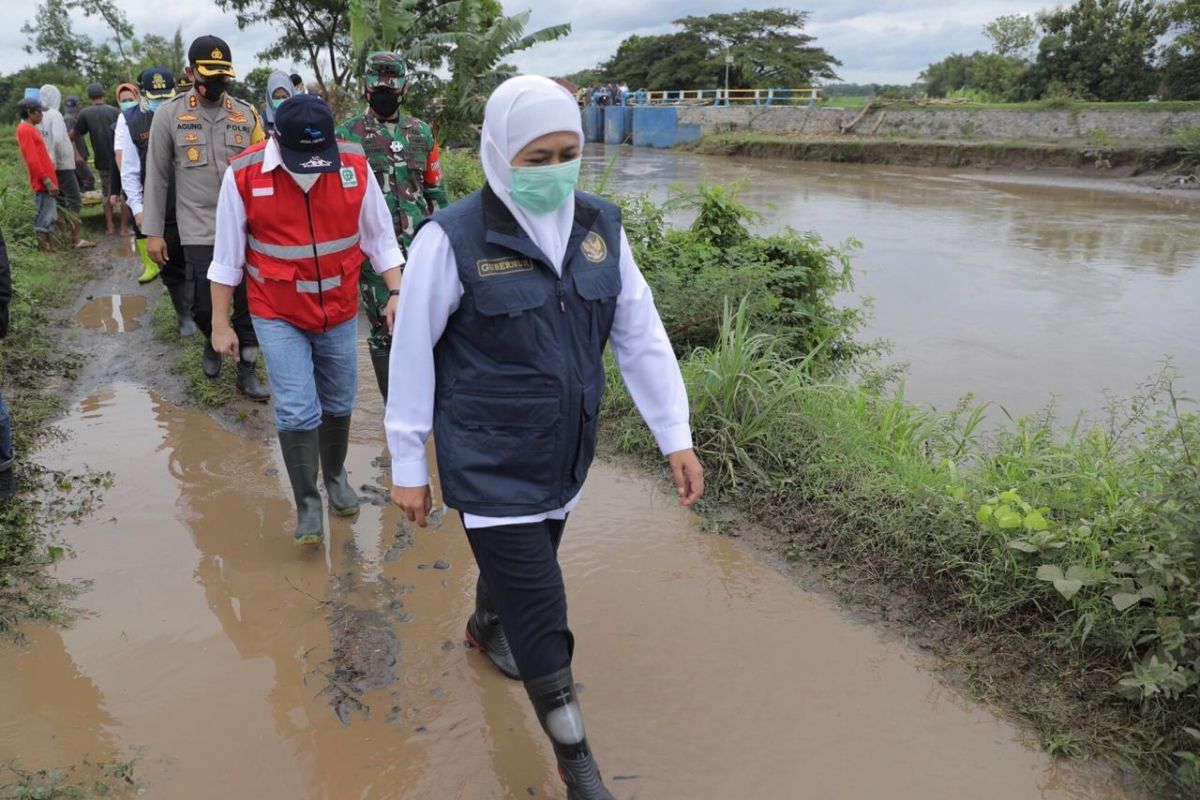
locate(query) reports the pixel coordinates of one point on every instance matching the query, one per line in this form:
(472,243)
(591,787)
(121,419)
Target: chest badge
(191,137)
(397,147)
(593,248)
(349,179)
(187,118)
(193,154)
(238,118)
(239,139)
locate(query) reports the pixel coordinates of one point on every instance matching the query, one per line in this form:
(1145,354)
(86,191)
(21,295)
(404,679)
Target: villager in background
(193,137)
(83,173)
(158,86)
(297,214)
(62,153)
(96,123)
(43,178)
(279,88)
(404,157)
(511,297)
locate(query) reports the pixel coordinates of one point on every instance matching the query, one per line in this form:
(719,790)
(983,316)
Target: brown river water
(1018,288)
(237,666)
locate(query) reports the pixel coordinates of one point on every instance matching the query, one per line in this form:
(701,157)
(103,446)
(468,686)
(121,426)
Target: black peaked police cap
(304,130)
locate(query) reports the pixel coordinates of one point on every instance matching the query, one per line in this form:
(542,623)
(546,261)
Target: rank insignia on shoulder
(349,179)
(187,118)
(228,103)
(192,101)
(594,248)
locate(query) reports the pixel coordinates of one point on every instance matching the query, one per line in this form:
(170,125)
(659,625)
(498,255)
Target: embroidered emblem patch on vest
(349,179)
(187,118)
(238,138)
(193,154)
(502,266)
(593,247)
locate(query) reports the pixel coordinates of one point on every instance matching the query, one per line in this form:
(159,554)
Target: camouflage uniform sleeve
(435,188)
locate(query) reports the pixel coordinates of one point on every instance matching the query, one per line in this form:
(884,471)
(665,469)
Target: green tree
(668,61)
(1181,56)
(54,38)
(1100,50)
(1012,35)
(314,31)
(769,48)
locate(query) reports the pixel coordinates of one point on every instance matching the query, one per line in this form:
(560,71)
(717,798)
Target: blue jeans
(6,451)
(311,374)
(47,212)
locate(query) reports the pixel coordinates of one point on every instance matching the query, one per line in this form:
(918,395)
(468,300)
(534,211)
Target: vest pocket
(504,444)
(191,148)
(589,422)
(509,323)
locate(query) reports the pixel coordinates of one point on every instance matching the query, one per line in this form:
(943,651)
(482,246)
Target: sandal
(83,244)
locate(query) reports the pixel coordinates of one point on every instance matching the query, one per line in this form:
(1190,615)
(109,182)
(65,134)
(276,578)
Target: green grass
(205,392)
(36,369)
(1057,560)
(1052,104)
(83,780)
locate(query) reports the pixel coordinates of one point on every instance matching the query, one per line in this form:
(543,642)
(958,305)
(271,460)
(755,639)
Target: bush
(462,172)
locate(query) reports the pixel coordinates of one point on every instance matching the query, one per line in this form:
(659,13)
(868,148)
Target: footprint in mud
(365,655)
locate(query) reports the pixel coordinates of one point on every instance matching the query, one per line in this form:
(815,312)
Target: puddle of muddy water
(227,654)
(115,313)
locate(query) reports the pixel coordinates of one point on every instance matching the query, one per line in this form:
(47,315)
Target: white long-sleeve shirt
(130,166)
(377,236)
(431,293)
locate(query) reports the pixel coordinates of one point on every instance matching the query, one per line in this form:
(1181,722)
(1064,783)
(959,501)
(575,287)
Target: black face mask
(384,103)
(212,88)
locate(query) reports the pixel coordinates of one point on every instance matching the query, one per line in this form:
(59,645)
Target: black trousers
(198,258)
(520,572)
(174,272)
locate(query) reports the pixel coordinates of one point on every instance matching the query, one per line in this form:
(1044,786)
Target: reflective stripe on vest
(315,287)
(253,272)
(290,252)
(254,158)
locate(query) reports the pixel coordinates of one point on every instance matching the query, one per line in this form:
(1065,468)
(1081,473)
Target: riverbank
(1162,165)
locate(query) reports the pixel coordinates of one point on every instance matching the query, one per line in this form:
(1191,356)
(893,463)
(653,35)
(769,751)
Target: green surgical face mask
(128,104)
(544,189)
(276,102)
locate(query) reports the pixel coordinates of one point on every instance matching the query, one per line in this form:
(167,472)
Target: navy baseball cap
(304,130)
(157,83)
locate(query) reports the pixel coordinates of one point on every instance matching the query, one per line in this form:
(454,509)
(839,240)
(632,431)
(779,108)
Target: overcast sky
(884,41)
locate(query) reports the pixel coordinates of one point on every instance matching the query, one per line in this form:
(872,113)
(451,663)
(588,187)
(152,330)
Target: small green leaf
(1124,600)
(1049,572)
(1034,521)
(1085,575)
(1023,546)
(985,513)
(1193,732)
(1007,519)
(1010,497)
(56,553)
(1068,588)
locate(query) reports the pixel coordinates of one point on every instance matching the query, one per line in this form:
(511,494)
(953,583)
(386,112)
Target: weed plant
(1061,559)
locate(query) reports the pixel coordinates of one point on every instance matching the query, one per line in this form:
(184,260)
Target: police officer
(193,137)
(297,214)
(404,158)
(158,86)
(509,299)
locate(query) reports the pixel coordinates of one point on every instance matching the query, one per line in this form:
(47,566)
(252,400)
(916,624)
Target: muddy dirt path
(241,667)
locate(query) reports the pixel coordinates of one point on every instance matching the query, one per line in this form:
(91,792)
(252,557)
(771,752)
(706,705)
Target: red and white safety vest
(302,253)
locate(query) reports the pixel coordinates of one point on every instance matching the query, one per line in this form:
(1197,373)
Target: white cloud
(885,40)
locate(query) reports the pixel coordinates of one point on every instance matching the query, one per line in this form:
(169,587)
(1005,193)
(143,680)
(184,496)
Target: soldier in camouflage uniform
(404,157)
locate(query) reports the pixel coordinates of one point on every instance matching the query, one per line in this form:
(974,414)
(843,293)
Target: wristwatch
(393,292)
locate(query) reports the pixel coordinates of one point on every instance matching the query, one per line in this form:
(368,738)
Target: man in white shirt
(298,213)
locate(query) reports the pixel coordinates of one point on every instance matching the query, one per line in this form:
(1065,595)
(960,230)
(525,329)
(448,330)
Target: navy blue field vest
(520,366)
(139,122)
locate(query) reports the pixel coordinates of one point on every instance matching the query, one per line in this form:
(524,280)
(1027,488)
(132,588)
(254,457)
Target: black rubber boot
(183,312)
(301,455)
(8,480)
(210,362)
(379,360)
(335,441)
(247,377)
(485,634)
(553,697)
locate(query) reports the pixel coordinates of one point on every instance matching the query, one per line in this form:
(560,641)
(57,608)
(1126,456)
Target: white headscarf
(520,110)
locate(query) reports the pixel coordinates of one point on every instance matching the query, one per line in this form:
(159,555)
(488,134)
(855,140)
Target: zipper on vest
(316,261)
(558,289)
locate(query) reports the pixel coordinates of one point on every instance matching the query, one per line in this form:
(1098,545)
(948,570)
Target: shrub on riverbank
(1062,559)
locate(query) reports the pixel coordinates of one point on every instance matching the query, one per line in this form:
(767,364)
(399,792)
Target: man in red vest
(298,213)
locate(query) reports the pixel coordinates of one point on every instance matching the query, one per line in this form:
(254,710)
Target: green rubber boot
(301,455)
(151,269)
(335,441)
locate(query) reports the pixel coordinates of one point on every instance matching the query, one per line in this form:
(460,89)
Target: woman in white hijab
(509,299)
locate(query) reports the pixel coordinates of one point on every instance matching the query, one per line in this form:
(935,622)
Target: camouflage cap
(382,62)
